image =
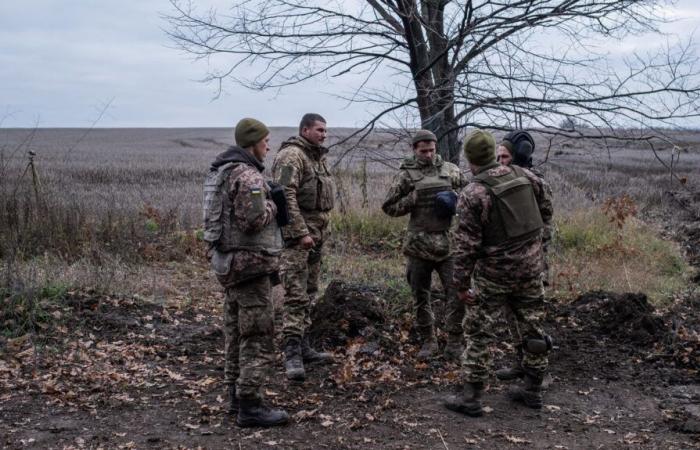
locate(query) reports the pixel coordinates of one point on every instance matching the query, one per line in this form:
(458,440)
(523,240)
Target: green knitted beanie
(423,135)
(480,148)
(250,132)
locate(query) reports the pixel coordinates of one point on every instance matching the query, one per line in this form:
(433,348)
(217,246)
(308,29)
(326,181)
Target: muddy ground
(127,374)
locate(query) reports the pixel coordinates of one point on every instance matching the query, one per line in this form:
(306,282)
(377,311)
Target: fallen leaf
(516,440)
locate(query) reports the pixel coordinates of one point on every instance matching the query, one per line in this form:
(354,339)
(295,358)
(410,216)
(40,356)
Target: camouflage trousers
(249,331)
(300,270)
(525,303)
(419,274)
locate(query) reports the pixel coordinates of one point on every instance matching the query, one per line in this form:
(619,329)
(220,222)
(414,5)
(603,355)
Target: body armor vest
(220,228)
(423,216)
(317,192)
(514,210)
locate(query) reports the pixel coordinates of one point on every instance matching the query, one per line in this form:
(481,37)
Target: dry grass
(118,207)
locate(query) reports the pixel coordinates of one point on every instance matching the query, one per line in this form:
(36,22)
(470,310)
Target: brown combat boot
(293,363)
(453,348)
(468,401)
(255,413)
(308,354)
(530,392)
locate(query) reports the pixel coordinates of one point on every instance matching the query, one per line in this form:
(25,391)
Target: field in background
(117,210)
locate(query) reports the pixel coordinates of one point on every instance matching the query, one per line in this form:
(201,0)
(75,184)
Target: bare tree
(455,64)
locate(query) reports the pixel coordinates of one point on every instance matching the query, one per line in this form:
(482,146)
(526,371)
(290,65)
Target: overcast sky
(61,61)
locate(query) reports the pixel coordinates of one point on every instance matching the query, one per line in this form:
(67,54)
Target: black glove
(445,204)
(280,200)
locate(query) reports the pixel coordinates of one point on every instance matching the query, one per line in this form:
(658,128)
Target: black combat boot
(255,413)
(429,347)
(514,371)
(233,401)
(453,348)
(308,354)
(293,362)
(467,401)
(530,392)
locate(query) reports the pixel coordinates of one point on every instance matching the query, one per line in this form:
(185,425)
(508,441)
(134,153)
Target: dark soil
(123,374)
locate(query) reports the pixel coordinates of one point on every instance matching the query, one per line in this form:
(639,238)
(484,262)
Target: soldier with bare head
(241,227)
(425,188)
(498,263)
(301,168)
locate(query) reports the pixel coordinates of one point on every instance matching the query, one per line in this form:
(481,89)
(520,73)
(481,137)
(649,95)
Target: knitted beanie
(249,132)
(480,148)
(423,135)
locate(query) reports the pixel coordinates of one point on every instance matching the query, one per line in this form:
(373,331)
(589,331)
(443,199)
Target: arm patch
(286,175)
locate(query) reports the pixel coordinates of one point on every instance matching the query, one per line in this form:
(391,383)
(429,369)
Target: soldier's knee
(538,346)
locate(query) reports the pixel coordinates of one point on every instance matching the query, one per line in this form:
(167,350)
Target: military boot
(428,349)
(308,354)
(514,371)
(453,348)
(233,401)
(293,363)
(530,392)
(467,401)
(255,413)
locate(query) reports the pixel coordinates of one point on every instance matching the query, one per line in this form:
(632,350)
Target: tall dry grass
(122,200)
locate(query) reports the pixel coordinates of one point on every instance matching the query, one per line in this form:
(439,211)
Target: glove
(280,200)
(445,204)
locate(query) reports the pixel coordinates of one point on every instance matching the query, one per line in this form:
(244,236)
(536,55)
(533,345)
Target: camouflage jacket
(509,263)
(252,212)
(548,230)
(400,200)
(301,168)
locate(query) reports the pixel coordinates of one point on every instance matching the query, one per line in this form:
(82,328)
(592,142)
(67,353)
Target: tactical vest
(220,228)
(514,211)
(423,217)
(317,192)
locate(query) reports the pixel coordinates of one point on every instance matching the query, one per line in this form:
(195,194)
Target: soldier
(300,166)
(425,188)
(499,252)
(517,148)
(241,226)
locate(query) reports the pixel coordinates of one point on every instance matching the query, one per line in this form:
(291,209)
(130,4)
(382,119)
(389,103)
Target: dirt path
(135,375)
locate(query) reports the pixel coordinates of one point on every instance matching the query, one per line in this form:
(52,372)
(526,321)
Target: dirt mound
(627,317)
(344,312)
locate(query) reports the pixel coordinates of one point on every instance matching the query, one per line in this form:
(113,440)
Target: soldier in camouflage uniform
(517,148)
(300,166)
(425,188)
(499,253)
(240,222)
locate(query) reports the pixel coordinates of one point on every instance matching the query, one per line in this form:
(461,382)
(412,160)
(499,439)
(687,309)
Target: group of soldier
(485,237)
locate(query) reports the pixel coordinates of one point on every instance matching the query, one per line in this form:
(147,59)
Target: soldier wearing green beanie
(241,226)
(480,148)
(498,264)
(250,132)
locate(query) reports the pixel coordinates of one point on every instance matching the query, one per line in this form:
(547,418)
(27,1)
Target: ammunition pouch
(317,193)
(423,215)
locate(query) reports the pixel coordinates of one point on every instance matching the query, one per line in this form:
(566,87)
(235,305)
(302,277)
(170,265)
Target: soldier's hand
(467,296)
(306,242)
